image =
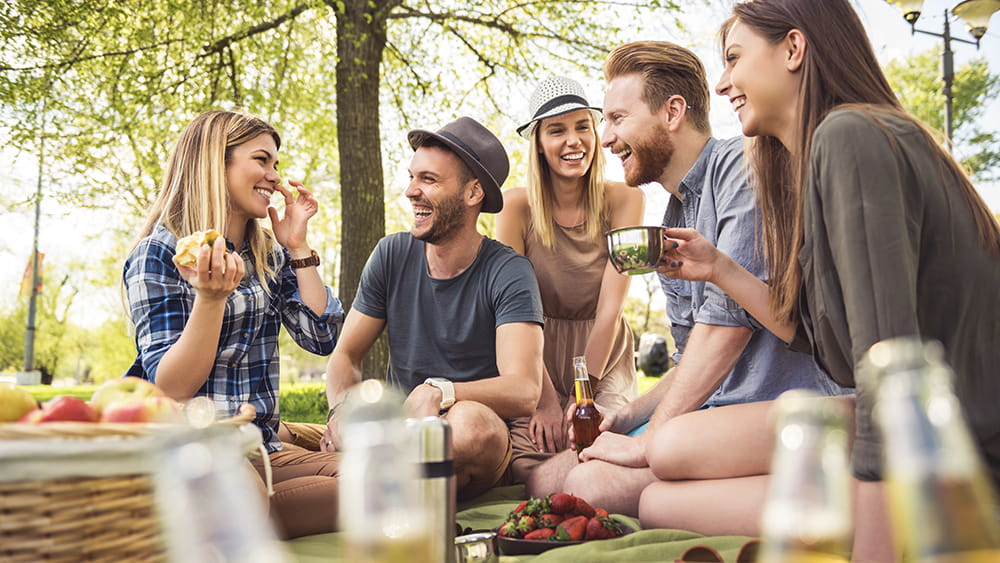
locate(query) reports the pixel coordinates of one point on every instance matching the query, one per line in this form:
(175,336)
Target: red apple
(15,402)
(62,409)
(149,409)
(122,389)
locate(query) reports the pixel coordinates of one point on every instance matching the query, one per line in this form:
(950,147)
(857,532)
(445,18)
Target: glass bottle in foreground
(807,515)
(941,499)
(586,418)
(382,514)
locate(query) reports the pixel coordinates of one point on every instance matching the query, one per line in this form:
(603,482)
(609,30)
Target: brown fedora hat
(479,149)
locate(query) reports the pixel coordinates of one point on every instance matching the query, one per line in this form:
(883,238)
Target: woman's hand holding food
(216,273)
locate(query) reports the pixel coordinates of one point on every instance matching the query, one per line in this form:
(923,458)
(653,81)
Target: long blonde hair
(839,70)
(595,216)
(194,194)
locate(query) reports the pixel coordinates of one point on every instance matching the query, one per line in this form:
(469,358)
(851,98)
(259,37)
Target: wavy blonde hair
(194,195)
(540,191)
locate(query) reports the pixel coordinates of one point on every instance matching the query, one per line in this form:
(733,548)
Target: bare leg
(550,476)
(719,443)
(615,488)
(717,507)
(480,441)
(872,527)
(731,441)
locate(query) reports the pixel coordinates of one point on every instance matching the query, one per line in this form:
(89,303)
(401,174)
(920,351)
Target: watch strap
(312,260)
(447,391)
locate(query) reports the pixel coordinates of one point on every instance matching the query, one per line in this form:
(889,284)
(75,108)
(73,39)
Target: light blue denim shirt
(719,204)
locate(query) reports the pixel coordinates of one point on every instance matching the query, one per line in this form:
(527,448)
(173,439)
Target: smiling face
(567,143)
(251,174)
(757,80)
(437,192)
(634,133)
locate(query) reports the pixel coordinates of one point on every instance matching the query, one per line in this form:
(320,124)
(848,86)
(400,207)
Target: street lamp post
(976,14)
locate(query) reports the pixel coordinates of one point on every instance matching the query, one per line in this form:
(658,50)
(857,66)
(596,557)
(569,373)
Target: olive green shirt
(891,249)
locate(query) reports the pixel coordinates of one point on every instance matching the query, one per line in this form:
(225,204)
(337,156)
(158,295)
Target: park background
(93,93)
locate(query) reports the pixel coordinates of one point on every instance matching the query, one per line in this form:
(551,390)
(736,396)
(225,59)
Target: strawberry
(583,508)
(526,524)
(550,520)
(600,512)
(540,534)
(561,503)
(509,530)
(520,508)
(601,527)
(571,529)
(538,506)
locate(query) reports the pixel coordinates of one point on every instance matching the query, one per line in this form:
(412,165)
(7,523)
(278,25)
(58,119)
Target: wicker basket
(80,492)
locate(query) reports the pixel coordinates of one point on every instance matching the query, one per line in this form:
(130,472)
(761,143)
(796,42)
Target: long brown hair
(839,70)
(193,195)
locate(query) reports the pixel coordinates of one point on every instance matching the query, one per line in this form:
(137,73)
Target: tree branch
(221,44)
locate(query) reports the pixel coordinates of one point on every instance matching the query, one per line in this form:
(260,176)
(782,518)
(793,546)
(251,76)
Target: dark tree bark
(361,39)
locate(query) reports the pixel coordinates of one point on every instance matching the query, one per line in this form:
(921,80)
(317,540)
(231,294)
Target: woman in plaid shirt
(212,329)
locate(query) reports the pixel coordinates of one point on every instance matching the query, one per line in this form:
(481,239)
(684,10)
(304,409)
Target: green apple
(122,389)
(15,402)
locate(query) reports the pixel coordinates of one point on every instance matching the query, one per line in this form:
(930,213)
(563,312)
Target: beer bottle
(807,515)
(586,418)
(941,500)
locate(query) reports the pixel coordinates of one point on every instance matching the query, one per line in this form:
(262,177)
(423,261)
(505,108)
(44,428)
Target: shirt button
(250,298)
(232,364)
(246,335)
(232,399)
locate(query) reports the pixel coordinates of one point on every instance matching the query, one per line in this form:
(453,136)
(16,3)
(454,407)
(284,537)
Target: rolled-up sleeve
(735,228)
(314,333)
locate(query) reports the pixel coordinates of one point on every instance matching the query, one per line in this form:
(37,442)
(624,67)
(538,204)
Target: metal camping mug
(437,487)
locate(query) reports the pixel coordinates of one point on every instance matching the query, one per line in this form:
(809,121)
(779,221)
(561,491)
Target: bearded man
(463,311)
(656,121)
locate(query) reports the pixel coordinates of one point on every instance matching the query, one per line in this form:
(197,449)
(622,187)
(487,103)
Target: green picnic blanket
(489,510)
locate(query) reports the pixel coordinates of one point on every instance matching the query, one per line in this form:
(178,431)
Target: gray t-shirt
(719,204)
(445,327)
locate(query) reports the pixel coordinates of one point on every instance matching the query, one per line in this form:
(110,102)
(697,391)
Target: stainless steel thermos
(435,459)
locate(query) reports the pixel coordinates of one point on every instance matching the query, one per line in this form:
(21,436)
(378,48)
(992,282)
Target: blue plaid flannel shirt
(246,364)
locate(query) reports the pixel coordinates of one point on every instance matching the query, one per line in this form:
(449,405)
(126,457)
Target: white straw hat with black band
(555,96)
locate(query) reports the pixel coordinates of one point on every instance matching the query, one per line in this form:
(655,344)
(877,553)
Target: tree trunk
(361,38)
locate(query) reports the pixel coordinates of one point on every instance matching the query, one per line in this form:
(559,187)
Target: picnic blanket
(489,510)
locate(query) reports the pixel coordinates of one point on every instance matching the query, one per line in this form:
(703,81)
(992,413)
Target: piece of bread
(188,247)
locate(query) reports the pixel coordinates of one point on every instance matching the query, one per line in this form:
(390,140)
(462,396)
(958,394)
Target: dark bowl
(635,250)
(516,546)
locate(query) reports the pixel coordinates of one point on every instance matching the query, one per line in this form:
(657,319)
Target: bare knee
(479,438)
(476,429)
(670,449)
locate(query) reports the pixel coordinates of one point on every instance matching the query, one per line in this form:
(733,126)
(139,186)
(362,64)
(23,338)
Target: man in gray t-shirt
(463,312)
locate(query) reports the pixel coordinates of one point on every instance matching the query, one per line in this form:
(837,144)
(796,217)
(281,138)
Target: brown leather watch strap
(313,260)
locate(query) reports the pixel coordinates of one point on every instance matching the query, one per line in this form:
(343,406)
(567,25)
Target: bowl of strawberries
(541,524)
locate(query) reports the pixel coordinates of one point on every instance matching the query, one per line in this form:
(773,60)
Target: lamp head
(911,9)
(976,14)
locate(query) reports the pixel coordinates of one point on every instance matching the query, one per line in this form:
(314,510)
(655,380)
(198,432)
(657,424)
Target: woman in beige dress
(558,221)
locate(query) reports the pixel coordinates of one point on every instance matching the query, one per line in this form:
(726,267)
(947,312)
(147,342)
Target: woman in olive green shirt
(871,229)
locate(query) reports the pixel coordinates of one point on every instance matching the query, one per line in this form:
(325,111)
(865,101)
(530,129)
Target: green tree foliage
(107,84)
(917,81)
